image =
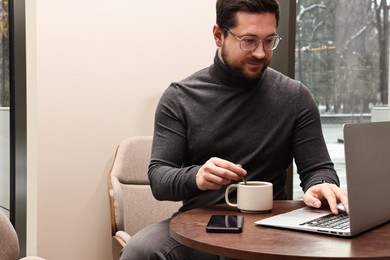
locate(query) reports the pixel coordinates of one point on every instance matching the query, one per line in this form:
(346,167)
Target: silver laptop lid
(367,161)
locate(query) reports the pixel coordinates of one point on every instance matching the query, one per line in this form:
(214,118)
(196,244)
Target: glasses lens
(270,43)
(249,43)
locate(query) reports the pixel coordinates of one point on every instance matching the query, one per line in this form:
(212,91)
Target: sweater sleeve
(168,179)
(310,152)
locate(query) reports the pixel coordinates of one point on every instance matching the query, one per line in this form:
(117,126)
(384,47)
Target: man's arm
(168,179)
(318,177)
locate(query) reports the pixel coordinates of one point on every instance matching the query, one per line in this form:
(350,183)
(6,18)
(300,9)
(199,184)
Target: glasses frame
(276,44)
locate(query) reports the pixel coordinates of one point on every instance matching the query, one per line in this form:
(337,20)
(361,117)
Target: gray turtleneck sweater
(261,124)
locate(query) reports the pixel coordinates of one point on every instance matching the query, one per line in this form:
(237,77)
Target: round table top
(189,228)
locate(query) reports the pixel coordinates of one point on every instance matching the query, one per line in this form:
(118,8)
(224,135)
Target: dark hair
(227,9)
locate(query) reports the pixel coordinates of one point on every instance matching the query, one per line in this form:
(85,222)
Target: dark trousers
(155,242)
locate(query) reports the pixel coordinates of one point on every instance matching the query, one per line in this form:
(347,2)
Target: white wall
(96,70)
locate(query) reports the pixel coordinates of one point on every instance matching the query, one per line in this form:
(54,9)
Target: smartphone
(225,224)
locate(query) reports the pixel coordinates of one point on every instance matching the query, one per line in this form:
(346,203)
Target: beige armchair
(9,243)
(132,204)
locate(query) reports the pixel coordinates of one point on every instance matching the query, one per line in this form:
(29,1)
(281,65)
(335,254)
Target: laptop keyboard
(340,221)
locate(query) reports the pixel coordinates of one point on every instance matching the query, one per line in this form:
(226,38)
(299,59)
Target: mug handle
(231,186)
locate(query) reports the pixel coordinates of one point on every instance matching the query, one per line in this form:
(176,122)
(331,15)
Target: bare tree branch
(304,10)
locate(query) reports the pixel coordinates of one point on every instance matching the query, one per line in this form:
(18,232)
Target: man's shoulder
(189,83)
(284,83)
(197,76)
(277,76)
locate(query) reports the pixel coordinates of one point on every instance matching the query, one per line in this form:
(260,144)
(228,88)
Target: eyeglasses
(250,43)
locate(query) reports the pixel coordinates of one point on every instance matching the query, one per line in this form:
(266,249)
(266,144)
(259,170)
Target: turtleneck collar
(226,77)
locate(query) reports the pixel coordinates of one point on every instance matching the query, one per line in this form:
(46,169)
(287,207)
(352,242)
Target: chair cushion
(135,206)
(132,160)
(142,209)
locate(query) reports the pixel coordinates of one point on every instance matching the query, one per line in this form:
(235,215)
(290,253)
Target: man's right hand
(217,172)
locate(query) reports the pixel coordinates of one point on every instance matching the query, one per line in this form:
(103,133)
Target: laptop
(367,161)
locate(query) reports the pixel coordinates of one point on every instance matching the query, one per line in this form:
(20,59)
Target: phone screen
(225,224)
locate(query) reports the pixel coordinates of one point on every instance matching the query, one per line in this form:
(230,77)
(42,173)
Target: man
(237,118)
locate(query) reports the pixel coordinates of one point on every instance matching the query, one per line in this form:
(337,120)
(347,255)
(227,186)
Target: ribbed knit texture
(260,124)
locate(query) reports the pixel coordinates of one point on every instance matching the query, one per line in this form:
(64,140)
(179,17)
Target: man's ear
(218,35)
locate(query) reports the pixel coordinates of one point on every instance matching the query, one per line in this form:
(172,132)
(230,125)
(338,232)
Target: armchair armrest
(118,243)
(123,235)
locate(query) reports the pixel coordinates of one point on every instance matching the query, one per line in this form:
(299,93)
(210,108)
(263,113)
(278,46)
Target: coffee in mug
(253,197)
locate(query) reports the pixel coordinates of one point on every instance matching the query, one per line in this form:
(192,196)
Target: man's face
(251,64)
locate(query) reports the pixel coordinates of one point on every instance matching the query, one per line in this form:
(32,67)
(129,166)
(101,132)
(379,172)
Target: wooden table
(257,242)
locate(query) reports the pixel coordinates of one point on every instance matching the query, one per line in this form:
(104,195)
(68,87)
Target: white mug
(253,197)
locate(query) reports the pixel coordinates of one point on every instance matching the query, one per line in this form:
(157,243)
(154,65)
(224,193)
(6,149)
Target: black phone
(225,224)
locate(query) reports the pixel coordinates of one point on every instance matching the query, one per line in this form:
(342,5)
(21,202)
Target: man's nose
(259,51)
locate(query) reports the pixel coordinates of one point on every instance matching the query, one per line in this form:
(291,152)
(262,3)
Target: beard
(239,69)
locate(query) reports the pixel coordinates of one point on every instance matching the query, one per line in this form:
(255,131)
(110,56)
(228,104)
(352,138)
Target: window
(4,110)
(342,56)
